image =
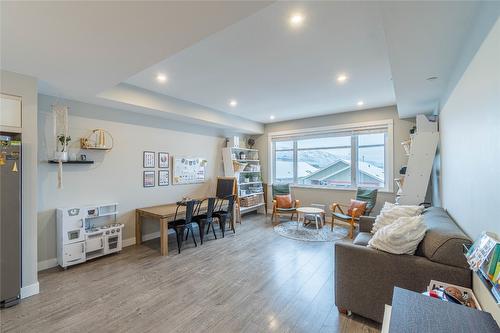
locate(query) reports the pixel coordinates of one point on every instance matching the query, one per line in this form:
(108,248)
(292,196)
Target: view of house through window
(331,160)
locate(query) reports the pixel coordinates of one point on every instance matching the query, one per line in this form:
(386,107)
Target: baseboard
(131,241)
(46,264)
(30,290)
(49,263)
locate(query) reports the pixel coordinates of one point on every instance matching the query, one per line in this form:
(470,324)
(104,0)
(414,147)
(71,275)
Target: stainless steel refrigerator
(10,218)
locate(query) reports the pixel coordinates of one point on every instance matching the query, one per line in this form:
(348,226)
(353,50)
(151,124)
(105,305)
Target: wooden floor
(252,281)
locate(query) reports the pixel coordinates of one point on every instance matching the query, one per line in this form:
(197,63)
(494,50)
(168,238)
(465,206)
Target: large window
(335,158)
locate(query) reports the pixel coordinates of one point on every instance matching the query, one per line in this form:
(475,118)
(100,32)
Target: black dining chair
(180,225)
(223,215)
(205,218)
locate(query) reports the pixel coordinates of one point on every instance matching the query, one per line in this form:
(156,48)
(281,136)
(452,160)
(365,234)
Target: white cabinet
(73,254)
(10,111)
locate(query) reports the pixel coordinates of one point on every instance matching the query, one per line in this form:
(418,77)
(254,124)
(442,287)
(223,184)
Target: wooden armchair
(283,189)
(362,194)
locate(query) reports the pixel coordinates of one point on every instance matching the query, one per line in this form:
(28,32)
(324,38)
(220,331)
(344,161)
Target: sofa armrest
(366,223)
(365,277)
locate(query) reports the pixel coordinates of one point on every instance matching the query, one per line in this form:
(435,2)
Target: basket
(250,201)
(239,166)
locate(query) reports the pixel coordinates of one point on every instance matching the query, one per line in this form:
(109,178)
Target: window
(345,157)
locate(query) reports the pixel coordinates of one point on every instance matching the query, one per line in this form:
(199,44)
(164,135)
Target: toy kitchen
(85,233)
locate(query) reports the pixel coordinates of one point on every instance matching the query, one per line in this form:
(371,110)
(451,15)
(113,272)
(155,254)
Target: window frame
(337,130)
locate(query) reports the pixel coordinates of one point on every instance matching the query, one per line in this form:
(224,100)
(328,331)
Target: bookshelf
(420,150)
(244,164)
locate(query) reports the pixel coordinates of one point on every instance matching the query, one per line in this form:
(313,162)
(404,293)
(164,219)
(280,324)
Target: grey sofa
(365,277)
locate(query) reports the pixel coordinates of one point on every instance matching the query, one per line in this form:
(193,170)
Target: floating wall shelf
(72,162)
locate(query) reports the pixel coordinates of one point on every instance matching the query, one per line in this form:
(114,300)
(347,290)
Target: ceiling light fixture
(432,78)
(361,103)
(233,103)
(341,78)
(271,117)
(162,78)
(296,19)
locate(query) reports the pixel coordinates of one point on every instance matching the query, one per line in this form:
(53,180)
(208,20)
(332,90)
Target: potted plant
(62,155)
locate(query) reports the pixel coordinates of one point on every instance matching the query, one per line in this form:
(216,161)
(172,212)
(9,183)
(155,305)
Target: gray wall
(327,196)
(116,175)
(26,87)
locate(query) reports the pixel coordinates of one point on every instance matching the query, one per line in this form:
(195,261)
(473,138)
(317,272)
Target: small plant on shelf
(63,140)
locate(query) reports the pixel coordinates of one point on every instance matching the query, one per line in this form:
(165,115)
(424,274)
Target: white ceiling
(110,52)
(273,69)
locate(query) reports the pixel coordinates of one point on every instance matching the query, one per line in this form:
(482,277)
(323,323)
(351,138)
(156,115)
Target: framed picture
(163,179)
(148,159)
(163,160)
(148,179)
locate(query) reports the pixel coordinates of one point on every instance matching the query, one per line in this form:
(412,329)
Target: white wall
(116,175)
(470,150)
(26,87)
(470,142)
(327,196)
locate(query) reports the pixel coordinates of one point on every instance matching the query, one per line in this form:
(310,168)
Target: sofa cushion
(362,238)
(444,239)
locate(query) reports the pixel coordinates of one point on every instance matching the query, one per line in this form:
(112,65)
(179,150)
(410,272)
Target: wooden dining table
(162,214)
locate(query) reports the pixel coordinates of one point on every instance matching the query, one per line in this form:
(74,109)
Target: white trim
(46,264)
(128,242)
(49,263)
(353,126)
(30,290)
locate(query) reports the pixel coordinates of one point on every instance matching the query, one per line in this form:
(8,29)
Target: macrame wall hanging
(61,137)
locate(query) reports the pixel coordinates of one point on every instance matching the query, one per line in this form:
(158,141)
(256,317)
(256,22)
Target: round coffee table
(317,212)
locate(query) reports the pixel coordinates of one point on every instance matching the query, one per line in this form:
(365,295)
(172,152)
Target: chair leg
(351,230)
(179,231)
(192,234)
(187,234)
(333,222)
(291,217)
(213,229)
(222,224)
(201,228)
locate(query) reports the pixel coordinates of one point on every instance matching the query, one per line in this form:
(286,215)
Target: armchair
(283,189)
(362,194)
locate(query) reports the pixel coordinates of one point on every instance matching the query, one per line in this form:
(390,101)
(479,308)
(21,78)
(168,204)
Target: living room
(242,166)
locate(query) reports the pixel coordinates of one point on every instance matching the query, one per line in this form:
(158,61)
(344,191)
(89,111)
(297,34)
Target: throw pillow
(283,201)
(391,212)
(360,205)
(400,237)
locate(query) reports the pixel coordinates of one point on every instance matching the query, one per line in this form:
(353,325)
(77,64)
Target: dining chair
(223,215)
(180,225)
(204,219)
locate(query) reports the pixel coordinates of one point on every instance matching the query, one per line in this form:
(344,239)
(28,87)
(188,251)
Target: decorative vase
(61,156)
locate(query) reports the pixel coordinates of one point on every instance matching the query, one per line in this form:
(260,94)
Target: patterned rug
(309,232)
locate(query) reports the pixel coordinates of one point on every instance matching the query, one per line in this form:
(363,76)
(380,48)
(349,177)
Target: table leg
(138,228)
(164,237)
(298,220)
(316,221)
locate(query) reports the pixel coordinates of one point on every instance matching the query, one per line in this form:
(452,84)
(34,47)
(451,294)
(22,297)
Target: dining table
(164,214)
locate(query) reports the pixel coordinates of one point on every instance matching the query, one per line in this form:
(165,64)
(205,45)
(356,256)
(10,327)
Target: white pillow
(391,212)
(400,237)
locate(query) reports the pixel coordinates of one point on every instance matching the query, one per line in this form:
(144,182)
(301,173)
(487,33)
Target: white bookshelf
(247,171)
(421,150)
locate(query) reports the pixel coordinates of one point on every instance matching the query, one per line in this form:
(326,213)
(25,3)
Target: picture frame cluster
(150,160)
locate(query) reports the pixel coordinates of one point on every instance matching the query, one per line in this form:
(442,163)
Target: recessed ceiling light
(162,78)
(271,117)
(361,103)
(233,103)
(341,78)
(296,19)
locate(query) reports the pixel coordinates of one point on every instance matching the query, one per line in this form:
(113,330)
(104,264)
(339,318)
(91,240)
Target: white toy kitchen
(87,232)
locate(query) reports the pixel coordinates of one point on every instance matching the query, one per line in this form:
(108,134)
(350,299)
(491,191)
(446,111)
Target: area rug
(309,232)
